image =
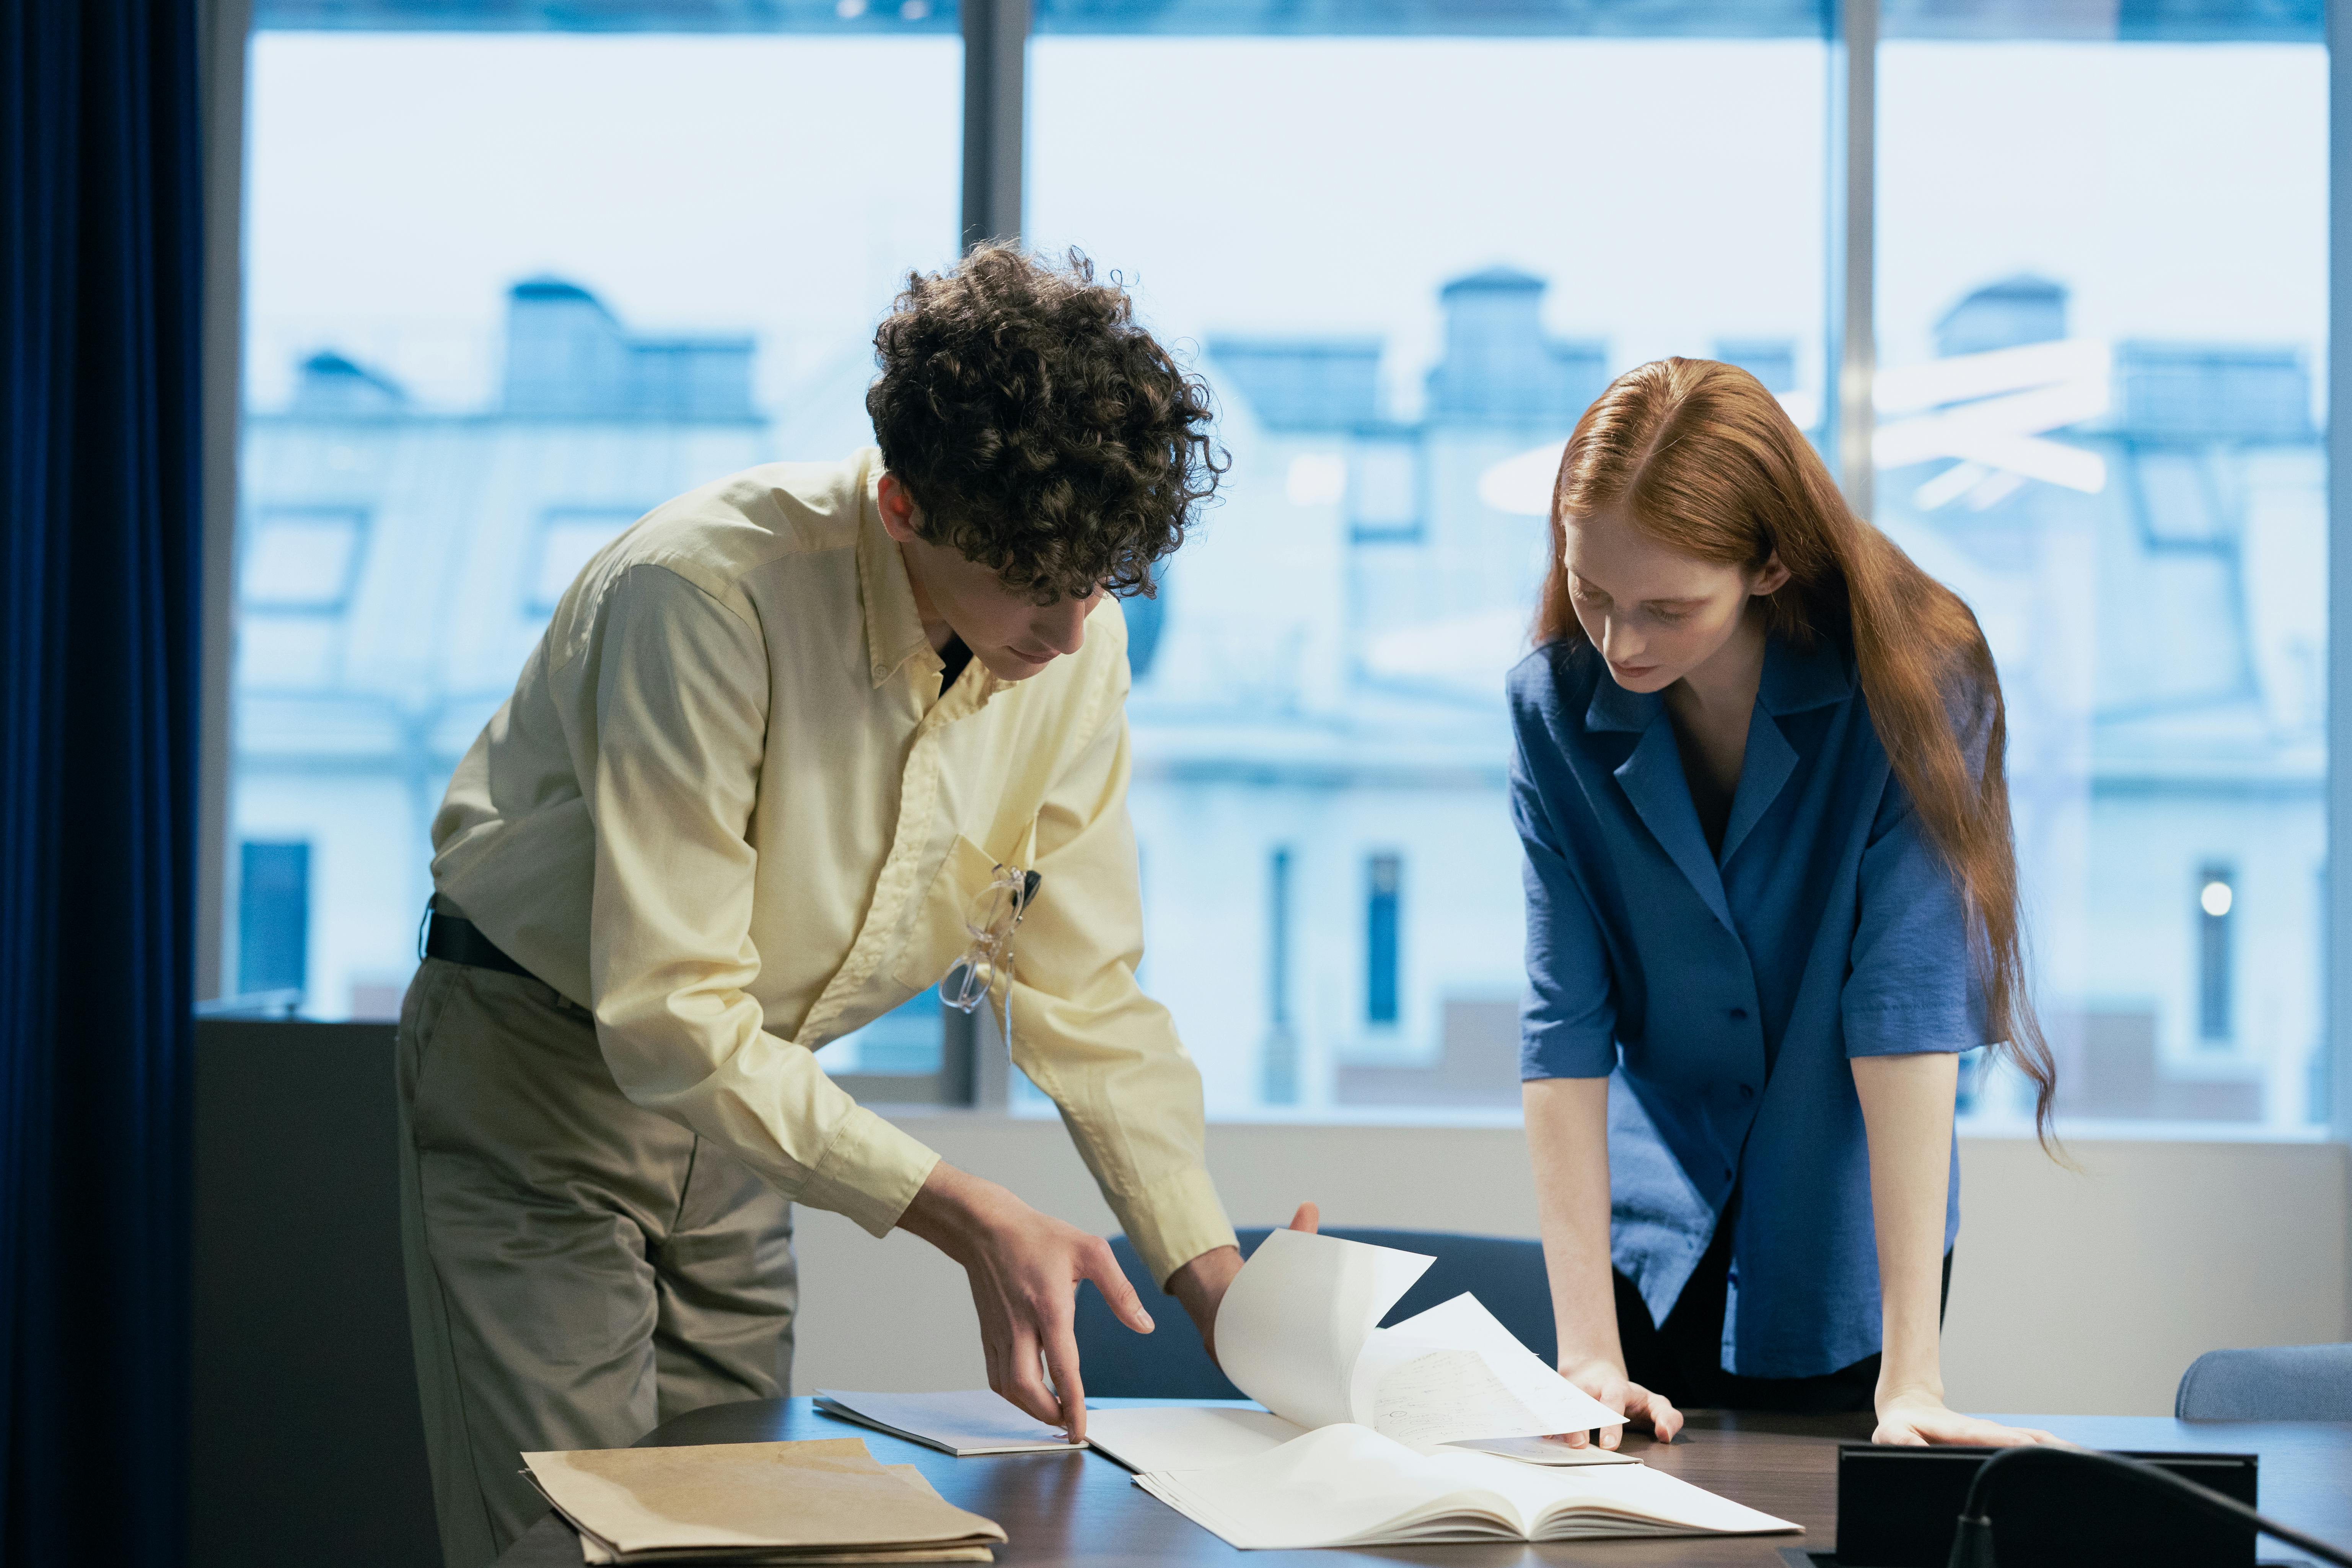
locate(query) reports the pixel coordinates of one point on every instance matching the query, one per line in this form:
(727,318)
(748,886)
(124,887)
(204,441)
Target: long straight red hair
(1706,461)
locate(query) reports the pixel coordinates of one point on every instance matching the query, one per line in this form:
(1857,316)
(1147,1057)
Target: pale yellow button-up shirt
(730,811)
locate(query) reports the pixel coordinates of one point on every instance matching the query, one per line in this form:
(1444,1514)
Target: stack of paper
(1295,1332)
(1348,1485)
(963,1423)
(1374,1436)
(779,1503)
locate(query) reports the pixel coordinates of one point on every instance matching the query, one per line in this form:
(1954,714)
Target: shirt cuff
(1175,1220)
(1566,1053)
(1898,1028)
(870,1171)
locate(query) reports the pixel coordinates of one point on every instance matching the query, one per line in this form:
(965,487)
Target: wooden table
(1074,1507)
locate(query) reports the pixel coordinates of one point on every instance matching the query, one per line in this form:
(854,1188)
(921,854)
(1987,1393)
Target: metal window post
(995,50)
(2337,1043)
(223,28)
(972,1067)
(1851,356)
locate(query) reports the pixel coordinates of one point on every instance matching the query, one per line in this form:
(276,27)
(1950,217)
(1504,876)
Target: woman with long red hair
(1772,896)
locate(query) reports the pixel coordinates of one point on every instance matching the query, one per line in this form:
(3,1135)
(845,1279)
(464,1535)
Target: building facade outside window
(2102,316)
(487,327)
(504,292)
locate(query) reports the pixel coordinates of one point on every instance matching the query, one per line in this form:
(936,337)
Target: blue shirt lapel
(1792,681)
(1653,780)
(1765,767)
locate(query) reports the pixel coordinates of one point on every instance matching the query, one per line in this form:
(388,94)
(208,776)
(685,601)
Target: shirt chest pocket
(939,936)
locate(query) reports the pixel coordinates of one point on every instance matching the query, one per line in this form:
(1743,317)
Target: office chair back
(1168,1363)
(2285,1383)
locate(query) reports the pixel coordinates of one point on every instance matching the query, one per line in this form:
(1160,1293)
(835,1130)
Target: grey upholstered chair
(2285,1382)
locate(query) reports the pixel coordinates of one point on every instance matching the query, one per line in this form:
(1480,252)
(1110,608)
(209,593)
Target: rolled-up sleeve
(681,704)
(1083,1029)
(1568,1020)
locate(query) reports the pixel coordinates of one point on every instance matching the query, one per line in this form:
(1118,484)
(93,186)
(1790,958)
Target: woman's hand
(1024,1268)
(1915,1420)
(1605,1381)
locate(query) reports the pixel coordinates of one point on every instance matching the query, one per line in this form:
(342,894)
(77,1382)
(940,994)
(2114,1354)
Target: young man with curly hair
(779,740)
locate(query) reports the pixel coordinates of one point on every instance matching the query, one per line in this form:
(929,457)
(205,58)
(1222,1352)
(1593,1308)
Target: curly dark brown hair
(1041,431)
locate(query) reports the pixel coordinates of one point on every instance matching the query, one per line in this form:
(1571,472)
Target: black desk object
(1899,1508)
(1080,1508)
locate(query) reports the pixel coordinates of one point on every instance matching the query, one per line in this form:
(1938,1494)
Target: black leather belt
(459,940)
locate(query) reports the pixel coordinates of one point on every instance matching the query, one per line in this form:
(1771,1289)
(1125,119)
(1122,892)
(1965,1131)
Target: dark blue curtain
(99,328)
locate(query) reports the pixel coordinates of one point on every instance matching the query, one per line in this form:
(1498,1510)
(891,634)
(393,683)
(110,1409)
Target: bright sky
(1671,190)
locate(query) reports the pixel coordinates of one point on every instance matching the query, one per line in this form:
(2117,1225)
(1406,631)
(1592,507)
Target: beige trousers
(579,1270)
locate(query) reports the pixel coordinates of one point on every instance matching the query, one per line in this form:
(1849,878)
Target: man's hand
(1024,1268)
(1916,1419)
(1606,1382)
(1201,1284)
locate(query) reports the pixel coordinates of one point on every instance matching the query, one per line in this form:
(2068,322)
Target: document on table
(962,1423)
(1345,1485)
(1297,1332)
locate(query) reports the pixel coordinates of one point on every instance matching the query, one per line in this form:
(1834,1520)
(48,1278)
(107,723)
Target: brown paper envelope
(798,1497)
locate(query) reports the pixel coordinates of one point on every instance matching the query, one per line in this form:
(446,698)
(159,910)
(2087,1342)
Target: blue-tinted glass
(2216,910)
(504,292)
(1410,263)
(805,16)
(906,1040)
(273,923)
(1280,1080)
(1381,940)
(2102,319)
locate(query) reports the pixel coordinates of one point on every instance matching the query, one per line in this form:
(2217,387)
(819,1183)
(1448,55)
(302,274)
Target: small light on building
(849,10)
(2214,898)
(915,10)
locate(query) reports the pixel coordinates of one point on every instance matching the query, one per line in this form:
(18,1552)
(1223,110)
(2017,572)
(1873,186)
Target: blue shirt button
(1739,1012)
(1747,1091)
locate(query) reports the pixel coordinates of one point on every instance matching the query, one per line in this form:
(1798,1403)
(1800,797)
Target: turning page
(1296,1318)
(1297,1332)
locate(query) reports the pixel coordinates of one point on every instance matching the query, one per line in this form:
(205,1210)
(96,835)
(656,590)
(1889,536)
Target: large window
(2102,319)
(510,284)
(1407,264)
(504,292)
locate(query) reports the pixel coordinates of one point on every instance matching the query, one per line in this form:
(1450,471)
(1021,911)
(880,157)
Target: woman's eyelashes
(1667,612)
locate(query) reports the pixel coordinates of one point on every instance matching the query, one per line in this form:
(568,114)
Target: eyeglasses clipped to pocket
(990,920)
(973,908)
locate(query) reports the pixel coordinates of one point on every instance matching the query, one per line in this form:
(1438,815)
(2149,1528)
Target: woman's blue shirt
(1722,993)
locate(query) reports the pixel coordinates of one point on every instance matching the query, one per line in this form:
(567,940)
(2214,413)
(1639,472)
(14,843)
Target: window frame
(995,36)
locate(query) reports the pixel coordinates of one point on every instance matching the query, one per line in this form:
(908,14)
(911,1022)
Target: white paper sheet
(1186,1436)
(1295,1332)
(1523,1397)
(1345,1485)
(1542,1451)
(961,1422)
(1443,1395)
(1298,1315)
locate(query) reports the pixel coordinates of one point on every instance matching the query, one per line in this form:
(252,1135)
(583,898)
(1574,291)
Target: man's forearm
(1907,1113)
(1567,1143)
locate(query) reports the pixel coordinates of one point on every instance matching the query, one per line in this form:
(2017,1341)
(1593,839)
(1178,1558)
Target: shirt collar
(1794,678)
(894,627)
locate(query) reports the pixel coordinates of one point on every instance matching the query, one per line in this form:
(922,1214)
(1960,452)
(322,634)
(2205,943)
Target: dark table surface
(1070,1507)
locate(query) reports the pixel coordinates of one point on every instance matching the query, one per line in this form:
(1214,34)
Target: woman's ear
(1770,577)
